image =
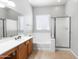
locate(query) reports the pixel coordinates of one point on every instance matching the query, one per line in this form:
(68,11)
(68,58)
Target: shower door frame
(55,30)
(3,20)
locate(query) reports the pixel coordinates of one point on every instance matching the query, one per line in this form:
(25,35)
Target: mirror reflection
(8,22)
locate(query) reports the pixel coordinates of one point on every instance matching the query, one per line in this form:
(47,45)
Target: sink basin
(3,40)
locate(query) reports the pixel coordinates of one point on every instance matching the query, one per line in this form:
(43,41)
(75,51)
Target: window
(42,23)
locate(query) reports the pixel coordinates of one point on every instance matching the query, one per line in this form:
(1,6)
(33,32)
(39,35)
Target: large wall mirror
(11,27)
(8,22)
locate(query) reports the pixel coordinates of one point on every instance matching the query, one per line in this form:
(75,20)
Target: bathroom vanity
(16,49)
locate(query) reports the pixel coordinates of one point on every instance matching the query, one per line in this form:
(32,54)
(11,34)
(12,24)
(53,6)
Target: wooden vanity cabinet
(23,51)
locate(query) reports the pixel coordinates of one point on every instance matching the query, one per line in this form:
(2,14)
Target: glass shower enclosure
(61,28)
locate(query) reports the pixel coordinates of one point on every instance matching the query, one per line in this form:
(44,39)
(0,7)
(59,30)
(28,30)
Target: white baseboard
(63,49)
(67,49)
(73,53)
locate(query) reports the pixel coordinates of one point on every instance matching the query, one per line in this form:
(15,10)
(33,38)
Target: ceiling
(38,3)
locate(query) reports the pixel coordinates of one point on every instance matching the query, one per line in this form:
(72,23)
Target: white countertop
(9,43)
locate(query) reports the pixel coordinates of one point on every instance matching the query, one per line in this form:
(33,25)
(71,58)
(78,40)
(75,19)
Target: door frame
(55,30)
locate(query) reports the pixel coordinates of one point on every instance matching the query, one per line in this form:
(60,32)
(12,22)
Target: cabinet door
(22,51)
(30,47)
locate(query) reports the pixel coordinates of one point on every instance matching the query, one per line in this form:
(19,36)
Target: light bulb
(11,4)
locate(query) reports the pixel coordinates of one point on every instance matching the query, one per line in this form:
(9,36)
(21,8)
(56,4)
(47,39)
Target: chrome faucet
(19,37)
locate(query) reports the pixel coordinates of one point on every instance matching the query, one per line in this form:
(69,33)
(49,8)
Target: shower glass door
(62,33)
(1,28)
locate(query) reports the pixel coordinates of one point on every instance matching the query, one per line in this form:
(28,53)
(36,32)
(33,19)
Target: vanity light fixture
(11,4)
(7,3)
(4,1)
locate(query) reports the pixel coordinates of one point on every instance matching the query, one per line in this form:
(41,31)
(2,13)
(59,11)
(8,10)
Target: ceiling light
(2,5)
(4,0)
(58,0)
(11,4)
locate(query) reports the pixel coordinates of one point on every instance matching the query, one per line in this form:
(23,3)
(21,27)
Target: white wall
(72,10)
(45,37)
(23,7)
(52,10)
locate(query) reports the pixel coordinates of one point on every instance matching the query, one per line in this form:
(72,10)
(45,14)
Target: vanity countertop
(9,43)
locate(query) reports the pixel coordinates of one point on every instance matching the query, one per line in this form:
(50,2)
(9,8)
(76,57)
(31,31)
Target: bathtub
(43,41)
(46,46)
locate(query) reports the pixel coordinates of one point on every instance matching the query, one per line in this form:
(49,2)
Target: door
(1,28)
(62,32)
